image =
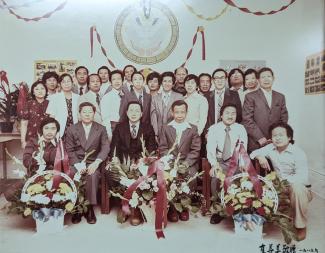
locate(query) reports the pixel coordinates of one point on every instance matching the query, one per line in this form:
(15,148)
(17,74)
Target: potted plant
(8,104)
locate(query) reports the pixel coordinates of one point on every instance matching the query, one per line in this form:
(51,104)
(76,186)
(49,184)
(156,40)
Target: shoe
(184,216)
(172,214)
(90,215)
(215,219)
(301,234)
(76,218)
(135,217)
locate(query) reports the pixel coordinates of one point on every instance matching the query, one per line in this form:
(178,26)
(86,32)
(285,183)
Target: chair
(105,199)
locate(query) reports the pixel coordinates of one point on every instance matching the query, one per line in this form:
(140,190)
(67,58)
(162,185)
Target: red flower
(230,210)
(39,180)
(249,202)
(261,211)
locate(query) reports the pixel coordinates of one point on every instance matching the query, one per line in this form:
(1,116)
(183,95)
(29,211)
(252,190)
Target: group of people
(111,111)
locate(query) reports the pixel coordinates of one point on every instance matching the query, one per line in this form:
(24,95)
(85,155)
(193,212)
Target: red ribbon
(233,165)
(199,29)
(258,13)
(61,163)
(3,77)
(92,30)
(47,15)
(22,99)
(161,197)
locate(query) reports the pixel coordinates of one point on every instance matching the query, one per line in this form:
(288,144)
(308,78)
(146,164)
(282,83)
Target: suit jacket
(189,146)
(122,138)
(160,116)
(230,97)
(58,109)
(258,116)
(131,96)
(32,146)
(91,98)
(77,144)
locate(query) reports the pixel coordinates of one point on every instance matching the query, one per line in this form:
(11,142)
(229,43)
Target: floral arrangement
(175,176)
(242,203)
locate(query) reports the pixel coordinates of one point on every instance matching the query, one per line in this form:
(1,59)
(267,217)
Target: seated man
(49,127)
(290,163)
(188,145)
(126,142)
(221,142)
(82,138)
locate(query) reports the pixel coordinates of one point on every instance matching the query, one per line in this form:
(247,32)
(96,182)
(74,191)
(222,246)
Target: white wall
(283,40)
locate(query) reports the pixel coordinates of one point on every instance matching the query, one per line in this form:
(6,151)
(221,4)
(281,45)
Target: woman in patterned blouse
(34,112)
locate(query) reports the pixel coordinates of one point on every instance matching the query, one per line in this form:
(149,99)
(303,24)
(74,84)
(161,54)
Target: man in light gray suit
(81,139)
(161,103)
(93,95)
(187,143)
(261,109)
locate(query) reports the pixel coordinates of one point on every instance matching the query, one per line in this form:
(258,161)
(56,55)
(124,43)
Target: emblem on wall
(146,32)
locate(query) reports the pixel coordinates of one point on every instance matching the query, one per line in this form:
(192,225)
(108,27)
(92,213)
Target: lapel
(171,132)
(82,135)
(91,136)
(212,105)
(127,135)
(145,101)
(274,99)
(140,131)
(171,100)
(159,101)
(184,137)
(263,98)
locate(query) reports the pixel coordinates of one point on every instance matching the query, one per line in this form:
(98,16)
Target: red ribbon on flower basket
(161,197)
(92,30)
(3,77)
(61,164)
(240,153)
(201,30)
(22,99)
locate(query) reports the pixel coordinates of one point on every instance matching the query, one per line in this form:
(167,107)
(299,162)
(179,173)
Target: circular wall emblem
(146,32)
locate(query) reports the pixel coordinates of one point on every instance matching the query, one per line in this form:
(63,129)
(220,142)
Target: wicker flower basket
(50,220)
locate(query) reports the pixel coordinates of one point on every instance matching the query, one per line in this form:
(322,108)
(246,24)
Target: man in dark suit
(188,145)
(138,94)
(261,109)
(126,143)
(82,138)
(81,74)
(221,96)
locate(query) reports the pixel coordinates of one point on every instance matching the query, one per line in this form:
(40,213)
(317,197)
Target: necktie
(98,99)
(219,105)
(81,91)
(133,132)
(226,153)
(121,94)
(140,99)
(165,99)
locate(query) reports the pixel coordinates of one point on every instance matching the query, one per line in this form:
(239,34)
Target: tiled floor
(197,235)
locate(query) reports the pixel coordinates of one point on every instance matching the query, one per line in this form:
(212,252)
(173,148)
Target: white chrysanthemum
(143,169)
(126,182)
(173,173)
(155,189)
(58,198)
(40,199)
(171,195)
(246,185)
(24,197)
(185,188)
(154,183)
(49,185)
(134,201)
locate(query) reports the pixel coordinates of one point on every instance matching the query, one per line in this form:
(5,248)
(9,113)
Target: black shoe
(215,219)
(90,215)
(76,218)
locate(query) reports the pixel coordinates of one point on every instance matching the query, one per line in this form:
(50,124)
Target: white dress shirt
(180,128)
(216,139)
(268,96)
(197,112)
(290,164)
(87,129)
(104,88)
(110,109)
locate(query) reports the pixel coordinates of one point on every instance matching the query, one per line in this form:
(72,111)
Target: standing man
(250,81)
(83,138)
(161,103)
(138,94)
(81,74)
(111,102)
(180,74)
(236,83)
(204,84)
(51,79)
(127,72)
(221,96)
(153,82)
(93,95)
(261,109)
(104,74)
